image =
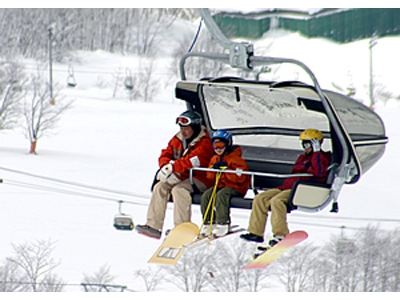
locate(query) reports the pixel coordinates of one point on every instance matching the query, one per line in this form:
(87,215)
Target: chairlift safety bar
(252,174)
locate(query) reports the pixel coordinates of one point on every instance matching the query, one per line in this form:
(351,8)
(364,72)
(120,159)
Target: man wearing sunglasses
(189,148)
(314,161)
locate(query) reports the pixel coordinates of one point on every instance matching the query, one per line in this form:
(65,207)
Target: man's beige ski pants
(181,196)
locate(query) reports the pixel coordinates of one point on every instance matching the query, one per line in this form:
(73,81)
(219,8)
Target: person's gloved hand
(173,179)
(316,145)
(220,164)
(165,172)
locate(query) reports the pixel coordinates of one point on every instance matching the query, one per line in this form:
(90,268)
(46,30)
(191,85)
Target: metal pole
(372,43)
(50,68)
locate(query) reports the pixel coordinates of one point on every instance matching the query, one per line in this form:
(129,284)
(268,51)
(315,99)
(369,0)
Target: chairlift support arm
(239,53)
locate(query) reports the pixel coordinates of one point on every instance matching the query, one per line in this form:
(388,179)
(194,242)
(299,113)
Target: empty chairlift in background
(128,82)
(71,82)
(123,221)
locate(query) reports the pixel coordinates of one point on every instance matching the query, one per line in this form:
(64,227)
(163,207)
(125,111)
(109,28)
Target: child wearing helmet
(189,148)
(314,161)
(226,156)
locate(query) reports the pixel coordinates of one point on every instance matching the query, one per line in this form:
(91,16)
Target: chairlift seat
(123,222)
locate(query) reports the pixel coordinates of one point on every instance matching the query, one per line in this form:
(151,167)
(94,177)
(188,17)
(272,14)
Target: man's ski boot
(252,237)
(148,231)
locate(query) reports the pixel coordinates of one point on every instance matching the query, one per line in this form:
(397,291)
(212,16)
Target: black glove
(220,164)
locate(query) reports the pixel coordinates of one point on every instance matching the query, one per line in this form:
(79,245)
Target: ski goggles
(183,121)
(218,145)
(306,144)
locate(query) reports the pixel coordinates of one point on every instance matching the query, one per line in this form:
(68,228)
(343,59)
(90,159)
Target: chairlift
(128,82)
(351,91)
(71,78)
(123,221)
(267,117)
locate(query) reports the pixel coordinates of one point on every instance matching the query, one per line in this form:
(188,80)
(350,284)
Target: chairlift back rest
(310,195)
(269,160)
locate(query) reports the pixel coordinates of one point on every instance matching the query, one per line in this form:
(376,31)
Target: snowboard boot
(148,231)
(271,243)
(275,240)
(252,237)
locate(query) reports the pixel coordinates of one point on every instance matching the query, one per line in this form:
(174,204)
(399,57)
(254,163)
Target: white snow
(113,143)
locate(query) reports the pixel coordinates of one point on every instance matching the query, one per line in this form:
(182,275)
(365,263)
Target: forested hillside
(25,31)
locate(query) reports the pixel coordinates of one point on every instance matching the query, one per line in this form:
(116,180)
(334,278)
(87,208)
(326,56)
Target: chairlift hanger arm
(214,29)
(239,53)
(254,61)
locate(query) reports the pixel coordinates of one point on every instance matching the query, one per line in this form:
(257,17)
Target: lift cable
(351,218)
(75,184)
(67,192)
(96,190)
(196,36)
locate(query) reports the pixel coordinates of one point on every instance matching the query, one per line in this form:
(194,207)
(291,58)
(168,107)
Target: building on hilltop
(339,24)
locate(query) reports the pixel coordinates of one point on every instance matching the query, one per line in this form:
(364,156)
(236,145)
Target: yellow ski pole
(211,202)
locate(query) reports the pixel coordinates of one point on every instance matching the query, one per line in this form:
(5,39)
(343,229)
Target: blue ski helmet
(223,135)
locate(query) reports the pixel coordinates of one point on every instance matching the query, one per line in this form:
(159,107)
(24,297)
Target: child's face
(219,147)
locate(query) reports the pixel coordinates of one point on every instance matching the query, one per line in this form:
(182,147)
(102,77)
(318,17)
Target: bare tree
(101,281)
(230,257)
(146,82)
(141,85)
(357,263)
(342,257)
(195,67)
(10,277)
(151,278)
(41,113)
(391,262)
(216,267)
(148,23)
(12,81)
(381,93)
(369,260)
(295,267)
(240,255)
(36,265)
(192,272)
(124,30)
